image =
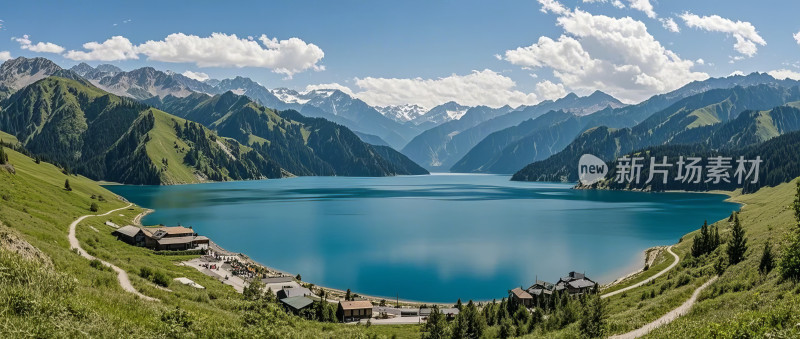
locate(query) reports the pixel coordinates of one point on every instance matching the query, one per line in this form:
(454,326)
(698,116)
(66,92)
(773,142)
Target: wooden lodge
(520,297)
(354,310)
(162,238)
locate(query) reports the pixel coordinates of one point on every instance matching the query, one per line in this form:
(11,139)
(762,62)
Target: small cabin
(354,310)
(132,235)
(520,297)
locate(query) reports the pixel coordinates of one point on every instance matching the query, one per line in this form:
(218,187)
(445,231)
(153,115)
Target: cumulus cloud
(736,73)
(616,55)
(40,47)
(553,6)
(645,6)
(744,32)
(797,37)
(5,55)
(484,87)
(222,50)
(334,85)
(779,74)
(642,5)
(199,76)
(670,25)
(114,49)
(547,90)
(287,57)
(700,61)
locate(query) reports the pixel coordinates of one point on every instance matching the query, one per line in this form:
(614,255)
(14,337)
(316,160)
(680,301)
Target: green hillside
(724,119)
(49,291)
(301,145)
(106,137)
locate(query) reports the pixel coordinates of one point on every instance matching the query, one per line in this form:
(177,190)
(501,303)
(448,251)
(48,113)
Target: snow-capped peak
(289,96)
(402,113)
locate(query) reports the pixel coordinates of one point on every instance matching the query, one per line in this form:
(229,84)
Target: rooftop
(520,293)
(357,304)
(297,303)
(128,230)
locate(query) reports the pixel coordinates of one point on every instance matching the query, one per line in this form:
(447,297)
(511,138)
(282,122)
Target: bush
(145,272)
(159,278)
(683,279)
(98,265)
(94,207)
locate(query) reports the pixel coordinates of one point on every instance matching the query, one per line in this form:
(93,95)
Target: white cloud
(5,55)
(644,6)
(199,76)
(40,47)
(735,73)
(222,50)
(334,85)
(547,90)
(670,25)
(744,32)
(796,37)
(552,6)
(484,87)
(700,61)
(784,74)
(616,55)
(641,5)
(113,49)
(218,50)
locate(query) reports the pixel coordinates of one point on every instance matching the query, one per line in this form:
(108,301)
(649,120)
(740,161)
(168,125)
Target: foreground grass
(661,262)
(63,295)
(744,302)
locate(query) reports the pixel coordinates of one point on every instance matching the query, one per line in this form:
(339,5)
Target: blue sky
(427,52)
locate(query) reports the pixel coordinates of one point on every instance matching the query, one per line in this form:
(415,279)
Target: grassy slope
(743,301)
(162,146)
(8,138)
(75,300)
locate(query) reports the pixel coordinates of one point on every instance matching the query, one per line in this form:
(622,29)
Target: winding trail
(122,276)
(669,317)
(675,263)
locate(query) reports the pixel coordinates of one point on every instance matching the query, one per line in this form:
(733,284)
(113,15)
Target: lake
(430,238)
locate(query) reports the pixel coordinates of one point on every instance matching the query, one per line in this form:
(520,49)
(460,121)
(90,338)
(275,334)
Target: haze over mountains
(66,119)
(279,132)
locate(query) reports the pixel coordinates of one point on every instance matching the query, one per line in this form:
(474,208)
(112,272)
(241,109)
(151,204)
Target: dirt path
(138,219)
(675,263)
(669,317)
(122,276)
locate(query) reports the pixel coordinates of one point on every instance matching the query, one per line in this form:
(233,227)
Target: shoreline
(335,295)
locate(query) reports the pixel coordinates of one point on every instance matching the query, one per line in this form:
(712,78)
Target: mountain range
(66,119)
(441,147)
(506,151)
(718,119)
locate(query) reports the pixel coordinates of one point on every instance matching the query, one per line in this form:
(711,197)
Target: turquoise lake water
(430,238)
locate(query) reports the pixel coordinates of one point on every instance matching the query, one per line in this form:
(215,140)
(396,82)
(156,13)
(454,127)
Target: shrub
(94,207)
(98,265)
(159,278)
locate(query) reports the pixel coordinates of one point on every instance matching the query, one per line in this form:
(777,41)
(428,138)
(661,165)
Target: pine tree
(3,156)
(506,329)
(436,327)
(737,245)
(347,295)
(790,260)
(593,318)
(700,243)
(67,186)
(767,260)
